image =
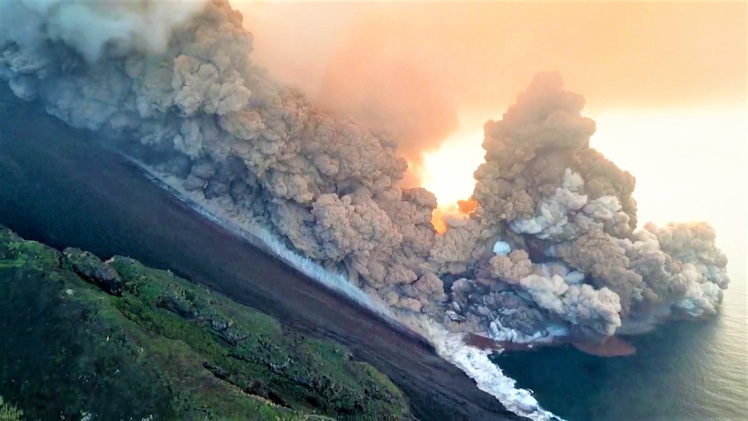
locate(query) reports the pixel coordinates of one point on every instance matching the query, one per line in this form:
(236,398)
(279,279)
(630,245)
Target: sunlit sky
(665,82)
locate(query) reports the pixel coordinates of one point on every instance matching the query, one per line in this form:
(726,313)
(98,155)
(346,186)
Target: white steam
(487,375)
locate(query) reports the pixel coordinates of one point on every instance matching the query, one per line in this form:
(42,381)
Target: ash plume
(551,241)
(572,210)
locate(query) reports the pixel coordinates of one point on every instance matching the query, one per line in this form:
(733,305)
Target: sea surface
(682,370)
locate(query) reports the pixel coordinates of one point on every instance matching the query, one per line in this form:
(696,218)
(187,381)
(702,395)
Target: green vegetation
(9,412)
(118,340)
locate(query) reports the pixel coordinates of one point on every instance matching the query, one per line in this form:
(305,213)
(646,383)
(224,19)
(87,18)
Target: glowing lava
(448,172)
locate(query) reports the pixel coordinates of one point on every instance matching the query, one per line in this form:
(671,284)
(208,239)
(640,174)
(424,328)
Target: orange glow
(448,172)
(417,68)
(476,56)
(437,218)
(461,208)
(467,206)
(690,164)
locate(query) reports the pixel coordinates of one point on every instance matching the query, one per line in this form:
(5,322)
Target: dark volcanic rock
(93,270)
(522,318)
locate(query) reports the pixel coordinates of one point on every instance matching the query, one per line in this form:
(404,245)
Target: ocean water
(681,371)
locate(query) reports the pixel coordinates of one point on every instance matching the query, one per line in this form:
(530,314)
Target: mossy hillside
(166,348)
(252,350)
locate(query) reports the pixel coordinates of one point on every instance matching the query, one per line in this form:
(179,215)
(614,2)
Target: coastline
(54,178)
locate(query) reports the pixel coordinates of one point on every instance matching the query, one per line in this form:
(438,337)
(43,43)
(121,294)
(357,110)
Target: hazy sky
(665,82)
(479,53)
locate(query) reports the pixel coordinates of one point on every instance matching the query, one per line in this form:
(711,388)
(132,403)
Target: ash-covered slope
(549,248)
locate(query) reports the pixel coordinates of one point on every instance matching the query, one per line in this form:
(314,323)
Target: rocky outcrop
(93,270)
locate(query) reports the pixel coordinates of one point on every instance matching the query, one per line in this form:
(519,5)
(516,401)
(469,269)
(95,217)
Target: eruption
(548,244)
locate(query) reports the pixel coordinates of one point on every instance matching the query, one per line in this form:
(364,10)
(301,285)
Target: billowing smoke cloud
(569,205)
(90,27)
(550,244)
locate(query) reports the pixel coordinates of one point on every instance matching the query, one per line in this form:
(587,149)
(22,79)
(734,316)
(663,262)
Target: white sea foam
(450,346)
(487,375)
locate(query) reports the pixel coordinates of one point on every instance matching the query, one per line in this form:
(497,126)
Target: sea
(682,370)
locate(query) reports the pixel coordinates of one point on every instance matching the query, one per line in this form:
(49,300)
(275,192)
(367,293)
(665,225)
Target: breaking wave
(488,376)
